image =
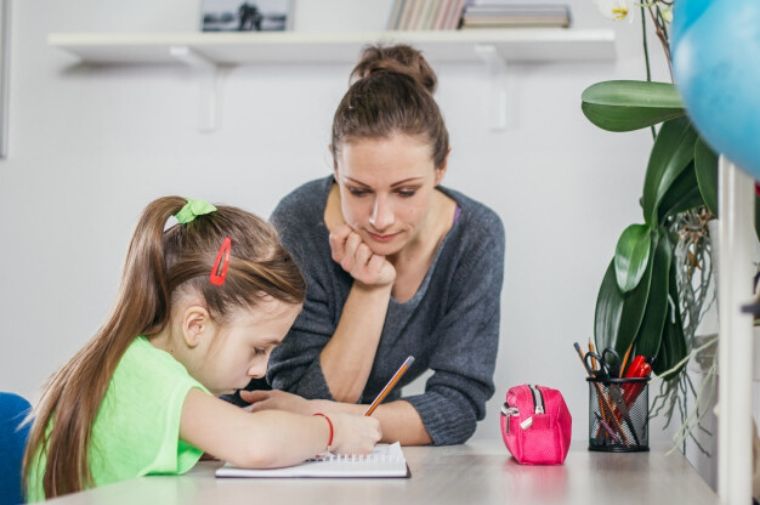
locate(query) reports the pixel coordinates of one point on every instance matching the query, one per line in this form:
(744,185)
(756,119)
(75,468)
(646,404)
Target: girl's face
(232,354)
(386,189)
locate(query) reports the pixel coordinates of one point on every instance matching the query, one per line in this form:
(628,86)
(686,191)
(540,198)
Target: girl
(201,306)
(395,265)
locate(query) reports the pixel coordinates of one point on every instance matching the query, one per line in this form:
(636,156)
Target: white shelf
(529,44)
(206,51)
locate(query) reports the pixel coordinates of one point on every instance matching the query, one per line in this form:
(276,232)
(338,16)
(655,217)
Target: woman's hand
(277,400)
(356,258)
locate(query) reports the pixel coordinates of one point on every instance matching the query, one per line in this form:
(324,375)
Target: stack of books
(426,14)
(512,15)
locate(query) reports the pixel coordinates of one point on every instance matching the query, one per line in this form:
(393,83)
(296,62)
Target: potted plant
(657,286)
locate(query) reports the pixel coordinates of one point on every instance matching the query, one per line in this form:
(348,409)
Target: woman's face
(386,189)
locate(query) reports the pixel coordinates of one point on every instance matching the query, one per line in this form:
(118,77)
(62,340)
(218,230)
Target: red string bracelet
(330,425)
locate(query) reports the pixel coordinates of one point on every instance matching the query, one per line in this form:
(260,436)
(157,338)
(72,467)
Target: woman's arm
(348,357)
(272,438)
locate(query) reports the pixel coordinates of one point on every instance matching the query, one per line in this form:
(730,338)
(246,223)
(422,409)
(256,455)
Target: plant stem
(646,55)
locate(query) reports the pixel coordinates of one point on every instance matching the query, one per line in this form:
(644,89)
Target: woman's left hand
(277,400)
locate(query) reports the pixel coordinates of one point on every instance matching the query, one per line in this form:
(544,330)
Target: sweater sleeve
(294,366)
(467,341)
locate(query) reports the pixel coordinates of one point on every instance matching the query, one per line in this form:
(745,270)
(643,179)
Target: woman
(395,266)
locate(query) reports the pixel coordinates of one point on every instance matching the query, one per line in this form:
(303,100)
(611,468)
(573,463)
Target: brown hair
(158,263)
(392,93)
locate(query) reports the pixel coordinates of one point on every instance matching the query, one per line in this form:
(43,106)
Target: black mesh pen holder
(618,419)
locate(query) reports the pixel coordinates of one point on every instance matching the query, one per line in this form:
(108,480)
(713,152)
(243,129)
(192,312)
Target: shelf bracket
(207,72)
(500,110)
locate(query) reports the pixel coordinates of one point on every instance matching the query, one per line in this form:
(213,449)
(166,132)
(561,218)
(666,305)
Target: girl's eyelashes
(259,351)
(407,192)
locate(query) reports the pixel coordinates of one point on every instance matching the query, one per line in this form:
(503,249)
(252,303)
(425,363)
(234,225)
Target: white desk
(477,473)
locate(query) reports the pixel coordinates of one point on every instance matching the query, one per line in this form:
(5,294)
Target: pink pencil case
(536,425)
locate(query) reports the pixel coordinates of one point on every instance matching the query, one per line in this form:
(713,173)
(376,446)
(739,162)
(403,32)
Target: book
(516,15)
(384,461)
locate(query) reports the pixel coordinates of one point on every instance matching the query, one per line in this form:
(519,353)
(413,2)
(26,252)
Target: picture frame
(246,15)
(5,55)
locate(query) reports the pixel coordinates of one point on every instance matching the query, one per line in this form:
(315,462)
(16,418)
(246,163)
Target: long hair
(158,262)
(392,93)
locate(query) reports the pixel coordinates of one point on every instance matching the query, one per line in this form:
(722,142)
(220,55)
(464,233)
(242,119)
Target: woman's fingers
(338,242)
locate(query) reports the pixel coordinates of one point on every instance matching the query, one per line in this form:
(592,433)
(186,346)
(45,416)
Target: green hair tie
(193,209)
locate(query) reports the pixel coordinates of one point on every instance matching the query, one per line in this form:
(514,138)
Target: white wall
(90,147)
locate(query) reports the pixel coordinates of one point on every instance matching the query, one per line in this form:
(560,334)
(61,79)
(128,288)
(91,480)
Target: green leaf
(630,105)
(632,256)
(673,348)
(651,331)
(673,151)
(634,305)
(706,168)
(682,195)
(609,308)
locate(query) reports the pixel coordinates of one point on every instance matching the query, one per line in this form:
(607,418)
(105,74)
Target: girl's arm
(272,438)
(399,420)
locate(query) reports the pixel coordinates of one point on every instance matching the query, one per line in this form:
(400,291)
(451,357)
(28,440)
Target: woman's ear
(440,171)
(196,321)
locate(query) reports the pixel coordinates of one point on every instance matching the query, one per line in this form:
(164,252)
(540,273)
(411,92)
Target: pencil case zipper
(538,408)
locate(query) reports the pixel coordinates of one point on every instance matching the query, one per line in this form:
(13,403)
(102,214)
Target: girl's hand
(356,258)
(354,434)
(277,400)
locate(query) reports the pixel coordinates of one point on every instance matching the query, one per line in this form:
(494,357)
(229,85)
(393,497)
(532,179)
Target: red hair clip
(221,263)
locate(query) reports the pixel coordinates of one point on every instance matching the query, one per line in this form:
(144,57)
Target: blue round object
(715,46)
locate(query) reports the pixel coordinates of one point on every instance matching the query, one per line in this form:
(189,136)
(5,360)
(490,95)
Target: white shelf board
(232,48)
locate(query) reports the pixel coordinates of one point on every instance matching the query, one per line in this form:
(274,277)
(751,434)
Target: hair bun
(400,59)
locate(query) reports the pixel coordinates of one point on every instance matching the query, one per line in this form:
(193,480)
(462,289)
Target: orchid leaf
(673,348)
(634,306)
(632,256)
(650,335)
(706,169)
(609,308)
(630,105)
(673,151)
(682,195)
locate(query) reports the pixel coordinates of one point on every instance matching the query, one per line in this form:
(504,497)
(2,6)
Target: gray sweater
(451,325)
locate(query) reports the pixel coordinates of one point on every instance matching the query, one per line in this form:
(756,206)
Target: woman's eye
(407,193)
(357,191)
(258,351)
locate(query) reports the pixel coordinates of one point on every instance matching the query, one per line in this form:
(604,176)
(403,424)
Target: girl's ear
(195,322)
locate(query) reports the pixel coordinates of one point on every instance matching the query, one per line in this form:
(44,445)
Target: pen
(391,383)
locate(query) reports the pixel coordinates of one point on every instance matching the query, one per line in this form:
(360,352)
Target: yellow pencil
(391,383)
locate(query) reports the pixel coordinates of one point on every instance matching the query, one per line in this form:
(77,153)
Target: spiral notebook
(384,461)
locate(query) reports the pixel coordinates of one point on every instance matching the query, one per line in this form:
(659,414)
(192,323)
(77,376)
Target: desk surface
(480,472)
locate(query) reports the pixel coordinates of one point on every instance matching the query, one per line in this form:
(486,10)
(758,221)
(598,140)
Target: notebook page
(384,461)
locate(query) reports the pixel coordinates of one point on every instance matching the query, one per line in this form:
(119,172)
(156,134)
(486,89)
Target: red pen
(639,368)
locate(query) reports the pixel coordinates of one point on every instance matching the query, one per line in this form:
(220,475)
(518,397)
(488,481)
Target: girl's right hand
(356,258)
(354,434)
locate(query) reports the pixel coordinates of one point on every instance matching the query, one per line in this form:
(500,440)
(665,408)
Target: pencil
(606,408)
(625,360)
(391,383)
